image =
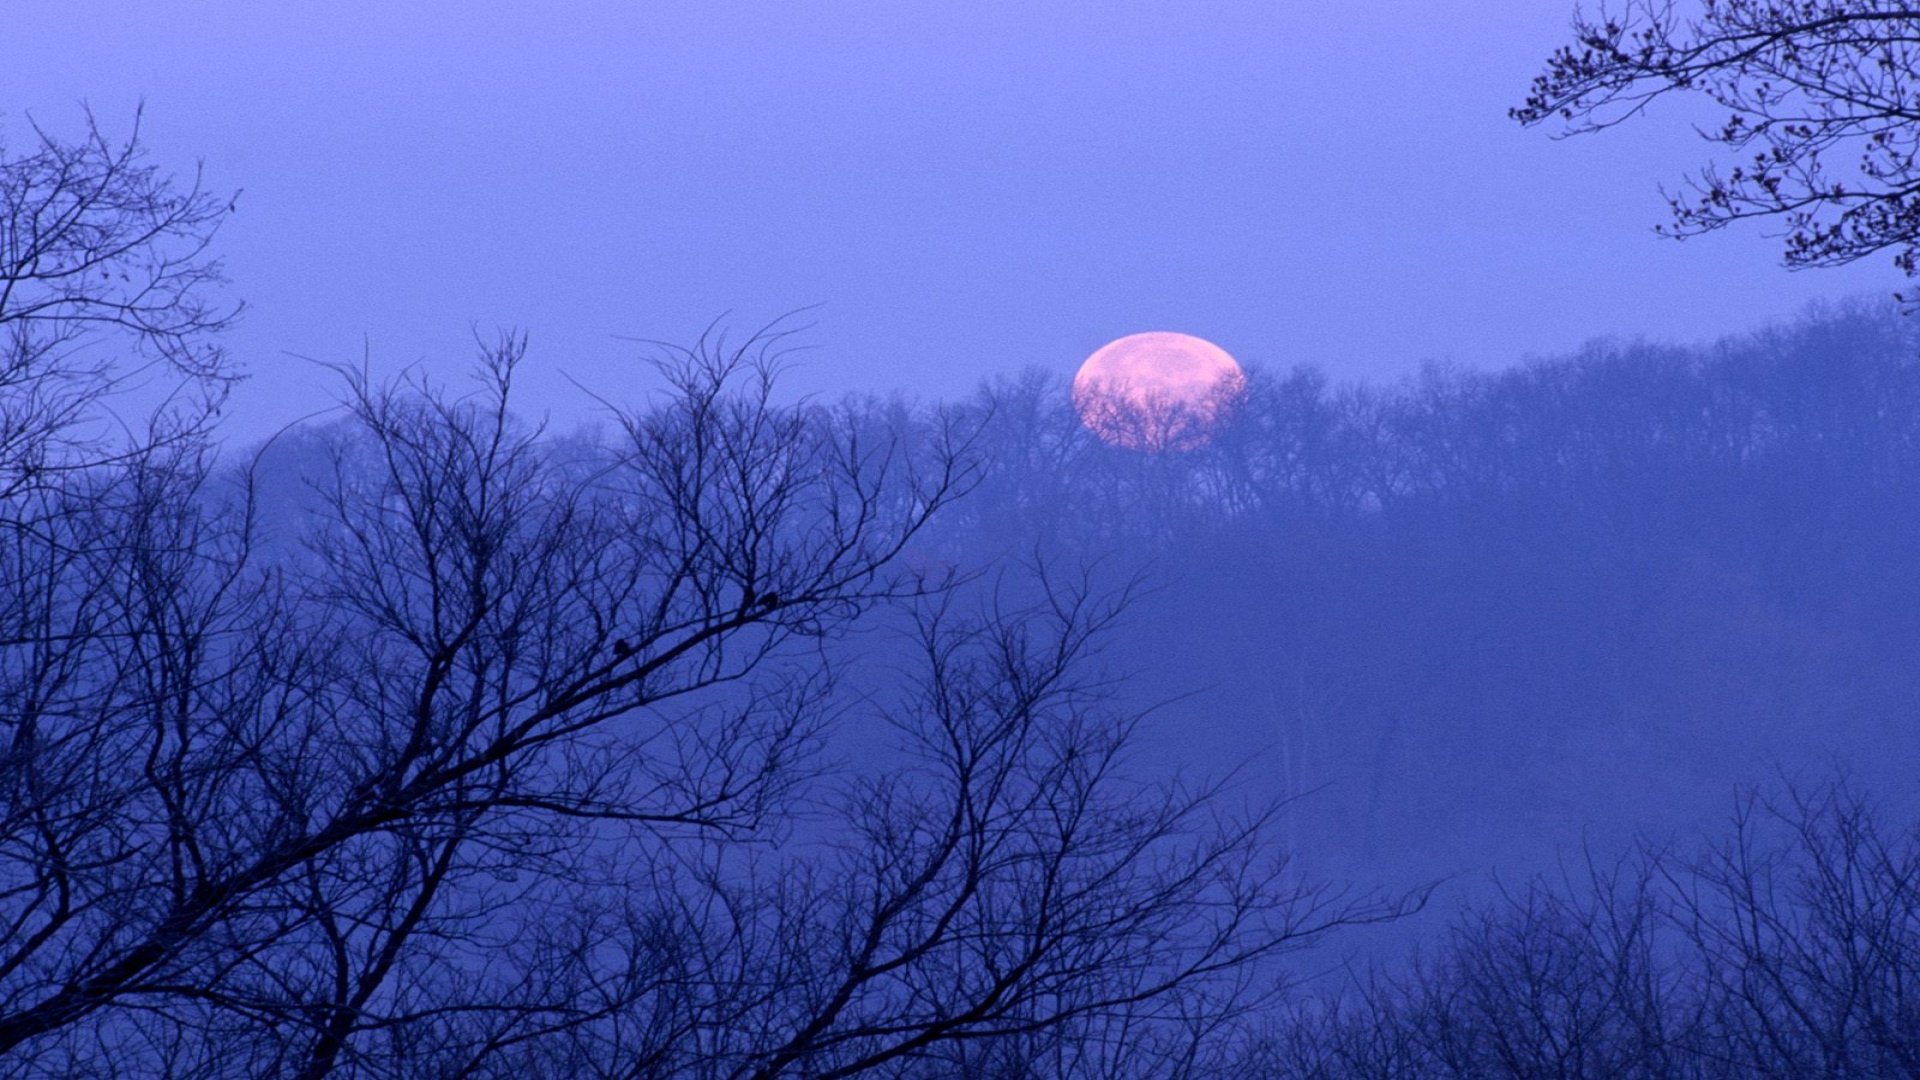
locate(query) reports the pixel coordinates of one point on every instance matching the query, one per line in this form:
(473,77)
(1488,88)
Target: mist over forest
(1545,720)
(1480,617)
(1488,615)
(1549,719)
(1484,632)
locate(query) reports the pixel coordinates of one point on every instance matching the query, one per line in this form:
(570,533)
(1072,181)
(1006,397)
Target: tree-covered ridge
(1481,612)
(1550,619)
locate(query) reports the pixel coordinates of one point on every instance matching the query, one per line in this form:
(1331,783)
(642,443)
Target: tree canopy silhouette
(1822,112)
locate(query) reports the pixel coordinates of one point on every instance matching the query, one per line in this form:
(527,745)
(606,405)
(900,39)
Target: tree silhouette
(481,754)
(104,263)
(1820,102)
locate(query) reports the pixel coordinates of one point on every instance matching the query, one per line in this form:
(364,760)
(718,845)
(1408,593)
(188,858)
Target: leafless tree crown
(1822,107)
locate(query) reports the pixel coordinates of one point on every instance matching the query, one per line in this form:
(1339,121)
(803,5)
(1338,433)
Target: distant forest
(1623,645)
(1476,617)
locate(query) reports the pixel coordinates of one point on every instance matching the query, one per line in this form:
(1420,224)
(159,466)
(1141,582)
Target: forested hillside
(1476,616)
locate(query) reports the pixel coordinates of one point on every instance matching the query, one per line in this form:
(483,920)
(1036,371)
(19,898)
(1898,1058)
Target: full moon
(1157,391)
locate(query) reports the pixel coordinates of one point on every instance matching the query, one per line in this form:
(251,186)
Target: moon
(1157,391)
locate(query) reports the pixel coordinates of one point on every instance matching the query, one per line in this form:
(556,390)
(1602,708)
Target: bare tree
(264,799)
(1786,948)
(1820,107)
(499,760)
(462,786)
(1007,897)
(1806,924)
(105,270)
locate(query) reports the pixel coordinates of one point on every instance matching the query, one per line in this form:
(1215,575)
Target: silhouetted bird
(621,650)
(770,601)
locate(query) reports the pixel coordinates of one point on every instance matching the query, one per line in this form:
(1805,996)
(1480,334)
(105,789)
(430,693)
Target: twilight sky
(966,188)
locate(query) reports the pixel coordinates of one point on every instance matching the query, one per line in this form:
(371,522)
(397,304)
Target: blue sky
(965,189)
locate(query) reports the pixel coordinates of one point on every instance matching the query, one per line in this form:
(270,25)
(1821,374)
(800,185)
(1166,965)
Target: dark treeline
(1548,620)
(1551,622)
(1788,946)
(1482,615)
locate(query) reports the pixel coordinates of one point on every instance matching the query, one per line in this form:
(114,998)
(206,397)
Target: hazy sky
(966,188)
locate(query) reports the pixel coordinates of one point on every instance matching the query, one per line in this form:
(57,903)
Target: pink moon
(1157,391)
